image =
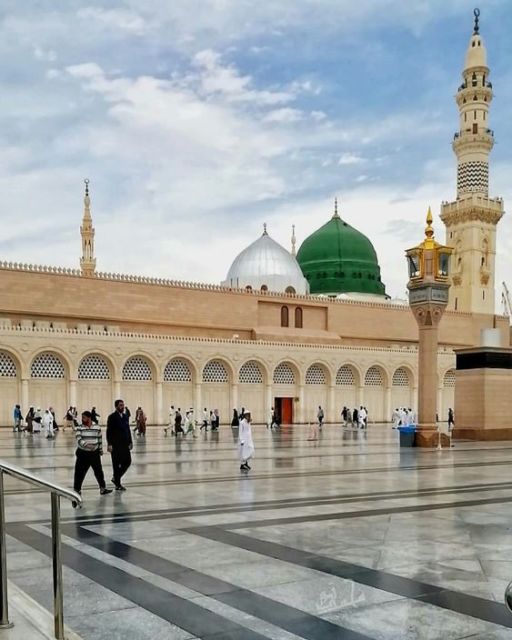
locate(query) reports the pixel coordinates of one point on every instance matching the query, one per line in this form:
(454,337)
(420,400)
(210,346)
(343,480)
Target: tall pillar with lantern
(428,297)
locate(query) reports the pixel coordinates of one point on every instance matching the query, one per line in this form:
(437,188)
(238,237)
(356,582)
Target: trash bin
(407,435)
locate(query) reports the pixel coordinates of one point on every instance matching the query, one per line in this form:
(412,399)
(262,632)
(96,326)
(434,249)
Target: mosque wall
(63,367)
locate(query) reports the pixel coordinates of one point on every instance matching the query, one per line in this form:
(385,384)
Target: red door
(285,410)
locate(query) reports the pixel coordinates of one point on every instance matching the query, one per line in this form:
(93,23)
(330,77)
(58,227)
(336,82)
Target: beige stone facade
(66,339)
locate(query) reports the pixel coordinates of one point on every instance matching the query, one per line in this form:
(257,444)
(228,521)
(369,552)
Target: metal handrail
(57,492)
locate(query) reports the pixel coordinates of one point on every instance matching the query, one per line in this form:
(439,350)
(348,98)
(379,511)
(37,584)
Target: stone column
(387,405)
(269,401)
(360,396)
(331,413)
(159,402)
(428,317)
(117,389)
(24,397)
(72,393)
(234,397)
(198,406)
(301,413)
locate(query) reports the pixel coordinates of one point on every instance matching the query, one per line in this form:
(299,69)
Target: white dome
(265,263)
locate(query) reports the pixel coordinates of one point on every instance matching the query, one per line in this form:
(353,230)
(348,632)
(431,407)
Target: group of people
(35,421)
(355,418)
(403,417)
(179,425)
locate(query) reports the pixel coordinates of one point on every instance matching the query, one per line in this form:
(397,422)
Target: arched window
(315,375)
(137,369)
(283,374)
(177,370)
(289,290)
(47,365)
(449,378)
(373,377)
(401,378)
(8,367)
(215,371)
(250,373)
(298,318)
(264,288)
(93,367)
(285,319)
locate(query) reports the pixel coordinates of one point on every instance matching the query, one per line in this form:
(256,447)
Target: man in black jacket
(119,440)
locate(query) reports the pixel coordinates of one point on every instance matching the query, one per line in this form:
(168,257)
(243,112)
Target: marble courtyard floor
(348,537)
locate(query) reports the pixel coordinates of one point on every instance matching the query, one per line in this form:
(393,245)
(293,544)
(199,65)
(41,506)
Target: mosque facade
(284,330)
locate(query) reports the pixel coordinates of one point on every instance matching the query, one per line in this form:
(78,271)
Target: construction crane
(505,300)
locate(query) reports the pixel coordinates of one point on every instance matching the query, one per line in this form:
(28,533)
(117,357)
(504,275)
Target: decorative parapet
(7,330)
(472,207)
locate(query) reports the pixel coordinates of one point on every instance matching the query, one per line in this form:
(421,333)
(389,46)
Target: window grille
(283,374)
(250,373)
(93,367)
(345,376)
(373,377)
(8,367)
(47,365)
(315,375)
(137,368)
(401,378)
(215,371)
(177,370)
(449,378)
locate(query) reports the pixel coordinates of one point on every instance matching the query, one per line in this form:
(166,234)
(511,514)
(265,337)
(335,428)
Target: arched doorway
(215,392)
(48,385)
(346,387)
(374,394)
(285,392)
(94,388)
(9,389)
(177,387)
(251,390)
(137,387)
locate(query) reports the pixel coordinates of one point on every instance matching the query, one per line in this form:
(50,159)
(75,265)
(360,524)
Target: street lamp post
(428,296)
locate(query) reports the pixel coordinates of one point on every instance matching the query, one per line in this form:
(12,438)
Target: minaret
(472,219)
(87,261)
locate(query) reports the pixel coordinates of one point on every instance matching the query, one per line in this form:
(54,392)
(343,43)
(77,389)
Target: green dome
(339,259)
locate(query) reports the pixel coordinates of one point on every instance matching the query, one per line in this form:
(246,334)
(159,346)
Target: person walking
(216,420)
(172,416)
(178,418)
(355,418)
(235,421)
(140,422)
(451,421)
(47,423)
(88,454)
(36,423)
(69,420)
(320,417)
(246,444)
(94,416)
(206,419)
(120,443)
(29,419)
(395,418)
(362,417)
(17,418)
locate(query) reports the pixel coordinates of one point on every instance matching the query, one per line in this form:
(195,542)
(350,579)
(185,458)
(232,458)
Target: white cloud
(350,158)
(122,19)
(284,115)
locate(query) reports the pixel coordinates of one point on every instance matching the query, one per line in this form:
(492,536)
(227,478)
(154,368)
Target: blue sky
(198,121)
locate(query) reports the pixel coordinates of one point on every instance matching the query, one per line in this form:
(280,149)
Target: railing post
(4,607)
(58,597)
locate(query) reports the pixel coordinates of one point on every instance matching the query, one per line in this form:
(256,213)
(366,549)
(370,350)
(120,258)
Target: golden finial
(265,229)
(429,230)
(86,182)
(293,241)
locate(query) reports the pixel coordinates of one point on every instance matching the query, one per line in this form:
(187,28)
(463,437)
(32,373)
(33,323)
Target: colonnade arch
(137,387)
(94,387)
(49,373)
(52,377)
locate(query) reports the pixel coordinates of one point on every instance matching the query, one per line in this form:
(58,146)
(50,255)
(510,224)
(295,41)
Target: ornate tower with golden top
(87,261)
(472,219)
